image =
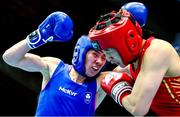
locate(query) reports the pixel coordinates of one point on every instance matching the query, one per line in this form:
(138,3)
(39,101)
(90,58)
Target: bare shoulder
(158,52)
(159,48)
(52,63)
(161,45)
(52,59)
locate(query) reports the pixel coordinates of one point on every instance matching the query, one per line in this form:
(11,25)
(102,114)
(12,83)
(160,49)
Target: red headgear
(118,30)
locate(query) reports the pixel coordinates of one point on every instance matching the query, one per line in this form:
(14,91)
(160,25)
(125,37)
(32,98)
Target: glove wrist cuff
(124,94)
(34,39)
(119,90)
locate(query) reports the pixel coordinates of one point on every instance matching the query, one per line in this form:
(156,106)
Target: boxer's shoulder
(158,49)
(51,63)
(159,44)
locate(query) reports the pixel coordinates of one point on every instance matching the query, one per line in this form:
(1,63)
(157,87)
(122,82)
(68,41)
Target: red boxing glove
(117,85)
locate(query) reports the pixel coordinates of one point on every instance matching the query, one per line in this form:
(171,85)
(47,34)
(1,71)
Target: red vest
(167,99)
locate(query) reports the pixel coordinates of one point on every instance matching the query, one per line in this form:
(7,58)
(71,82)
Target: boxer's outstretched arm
(17,56)
(58,26)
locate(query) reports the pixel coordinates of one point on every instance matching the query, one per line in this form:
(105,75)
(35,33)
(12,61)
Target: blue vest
(63,97)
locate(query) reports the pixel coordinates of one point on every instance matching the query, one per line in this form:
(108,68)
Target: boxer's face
(95,60)
(113,56)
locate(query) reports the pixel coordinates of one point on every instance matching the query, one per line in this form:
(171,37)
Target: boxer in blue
(67,89)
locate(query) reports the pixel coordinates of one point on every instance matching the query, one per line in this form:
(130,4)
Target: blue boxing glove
(138,10)
(58,26)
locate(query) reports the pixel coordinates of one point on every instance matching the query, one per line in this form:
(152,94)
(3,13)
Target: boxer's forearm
(16,52)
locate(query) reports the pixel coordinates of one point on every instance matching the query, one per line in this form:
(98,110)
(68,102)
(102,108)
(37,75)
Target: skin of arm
(154,66)
(100,94)
(121,70)
(18,56)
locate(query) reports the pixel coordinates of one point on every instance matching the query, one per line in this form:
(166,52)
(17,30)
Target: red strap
(123,95)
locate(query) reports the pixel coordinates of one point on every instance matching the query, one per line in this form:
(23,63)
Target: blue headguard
(176,43)
(177,47)
(83,45)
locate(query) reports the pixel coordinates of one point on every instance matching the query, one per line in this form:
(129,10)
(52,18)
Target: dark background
(19,89)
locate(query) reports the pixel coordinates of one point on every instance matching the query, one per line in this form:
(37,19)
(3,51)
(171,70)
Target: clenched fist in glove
(117,85)
(58,26)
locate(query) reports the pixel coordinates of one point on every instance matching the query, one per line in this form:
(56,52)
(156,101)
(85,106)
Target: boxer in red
(148,72)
